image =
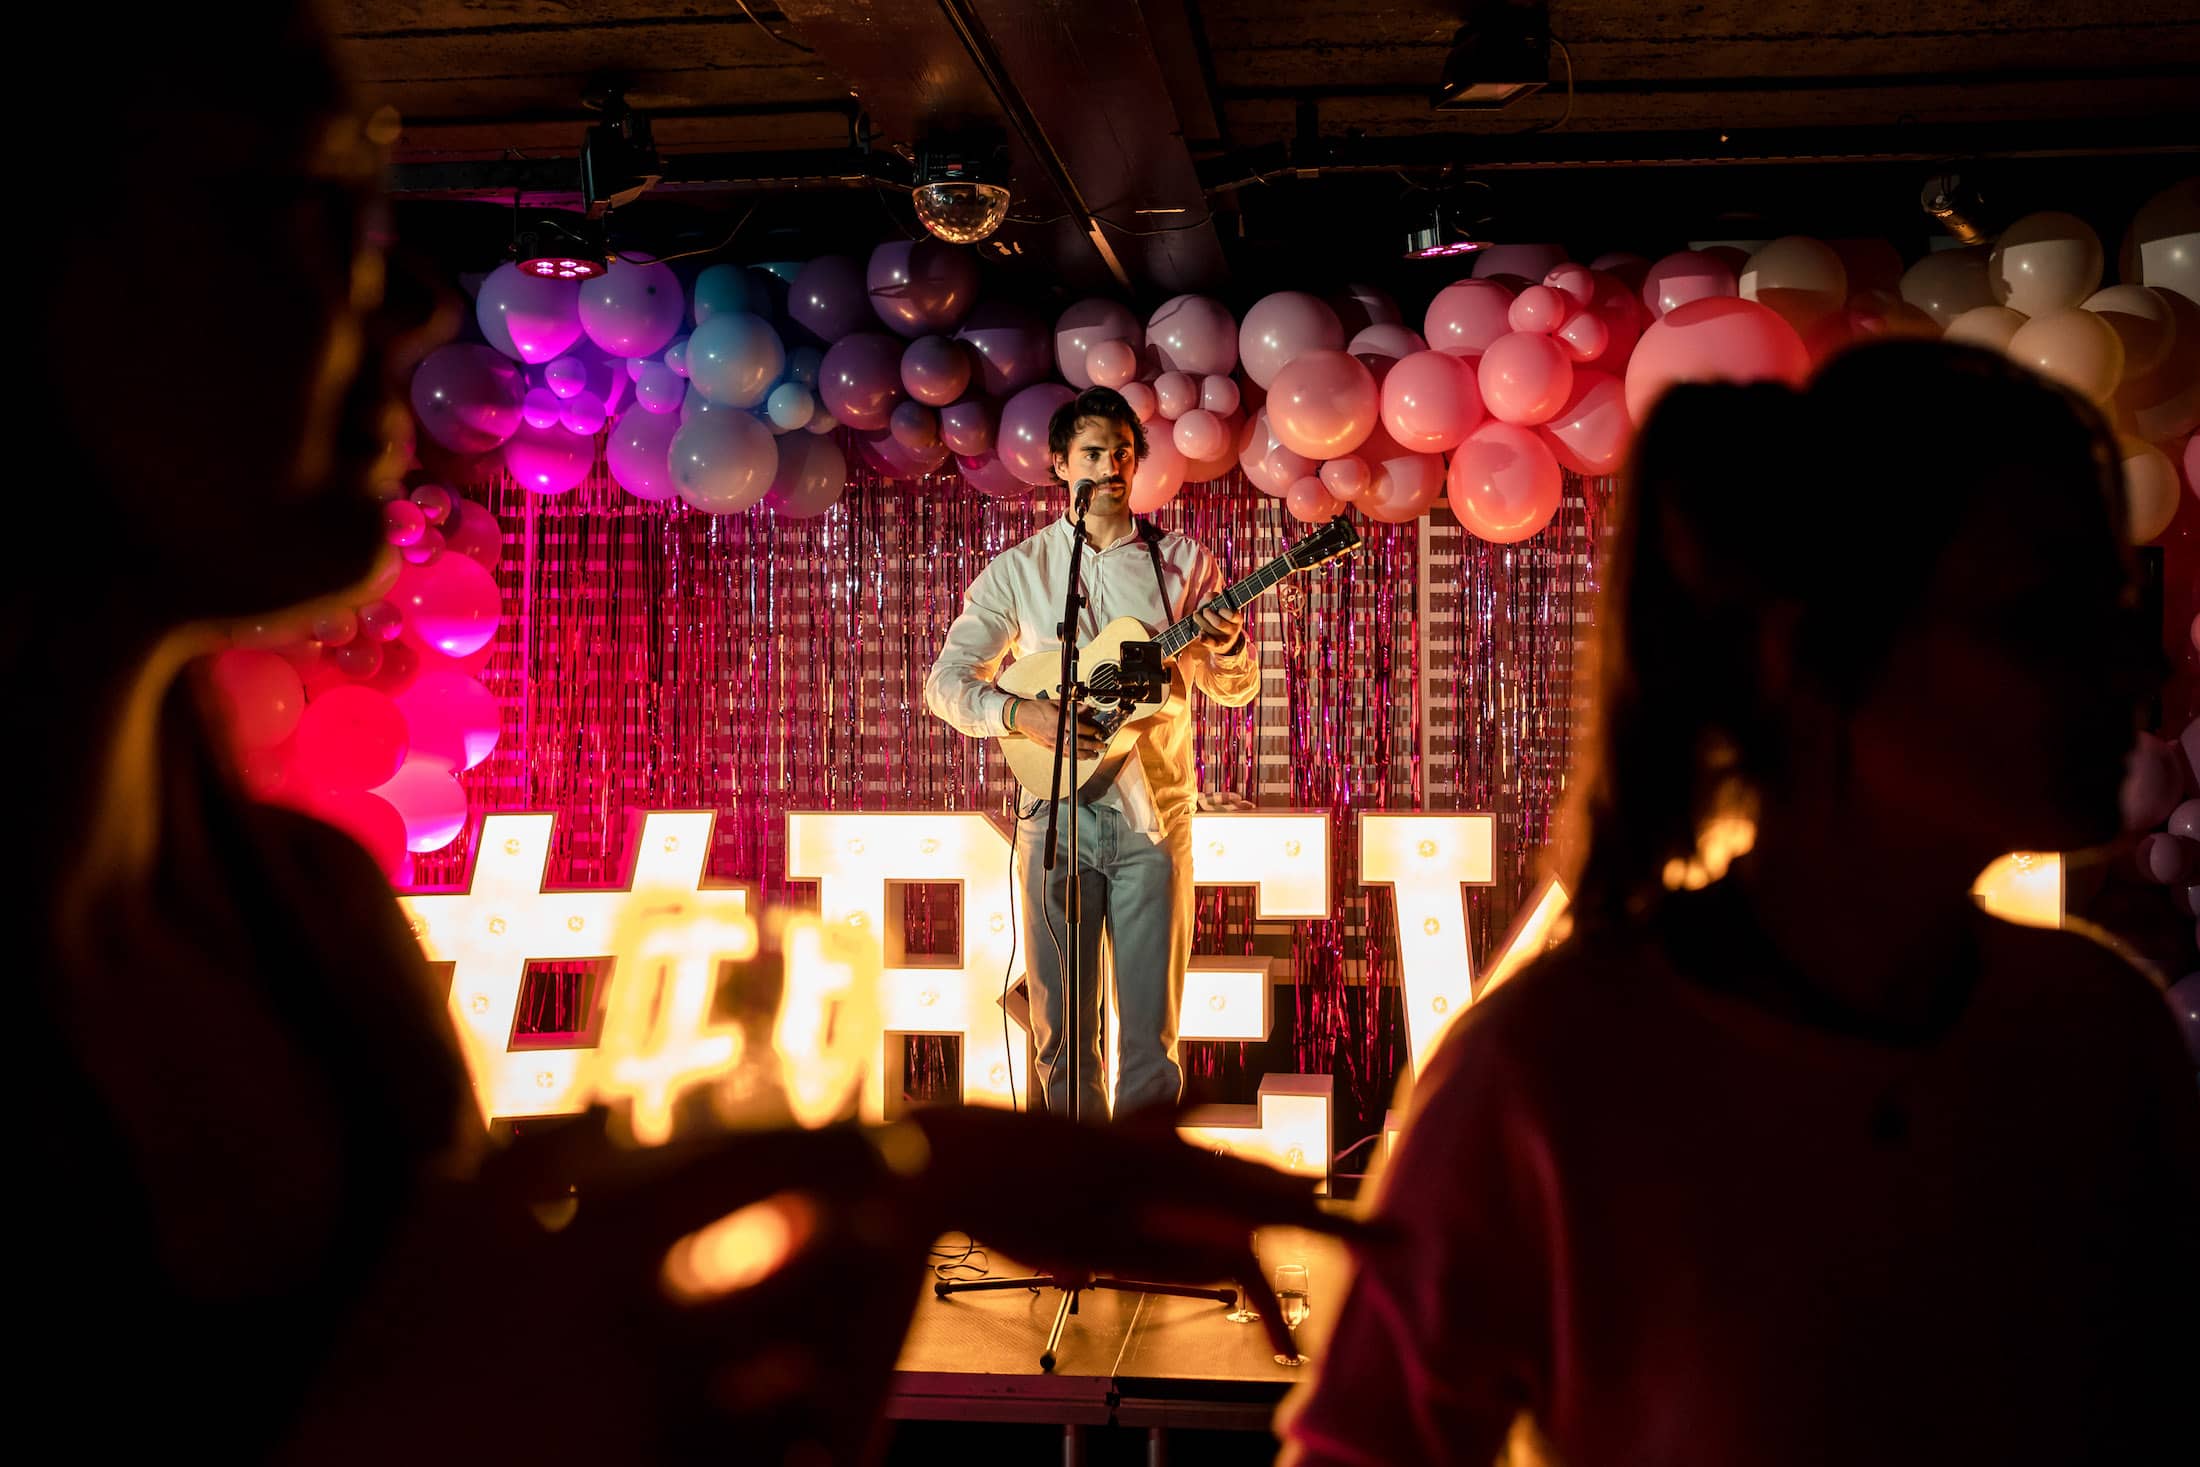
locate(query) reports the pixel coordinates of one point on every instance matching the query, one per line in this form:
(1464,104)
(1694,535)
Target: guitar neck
(1237,597)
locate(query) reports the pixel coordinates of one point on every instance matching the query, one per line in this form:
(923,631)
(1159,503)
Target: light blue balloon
(802,365)
(790,406)
(719,290)
(658,390)
(723,462)
(735,358)
(676,356)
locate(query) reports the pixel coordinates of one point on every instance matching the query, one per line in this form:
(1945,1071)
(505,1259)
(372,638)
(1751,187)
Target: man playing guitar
(1134,835)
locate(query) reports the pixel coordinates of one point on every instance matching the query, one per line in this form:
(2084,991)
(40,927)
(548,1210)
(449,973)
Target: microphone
(1081,497)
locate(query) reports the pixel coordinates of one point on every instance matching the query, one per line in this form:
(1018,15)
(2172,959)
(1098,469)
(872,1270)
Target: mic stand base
(1071,1285)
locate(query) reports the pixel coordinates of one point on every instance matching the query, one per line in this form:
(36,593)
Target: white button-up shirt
(1016,603)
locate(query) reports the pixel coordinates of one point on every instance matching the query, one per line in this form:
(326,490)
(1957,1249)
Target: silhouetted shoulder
(2073,977)
(1568,997)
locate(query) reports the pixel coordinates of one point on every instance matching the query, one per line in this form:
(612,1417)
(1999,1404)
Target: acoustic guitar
(1120,668)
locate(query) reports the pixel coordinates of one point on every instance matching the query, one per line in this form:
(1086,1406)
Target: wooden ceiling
(1124,117)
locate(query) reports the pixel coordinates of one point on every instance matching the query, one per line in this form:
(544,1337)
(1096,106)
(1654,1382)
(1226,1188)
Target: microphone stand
(1065,752)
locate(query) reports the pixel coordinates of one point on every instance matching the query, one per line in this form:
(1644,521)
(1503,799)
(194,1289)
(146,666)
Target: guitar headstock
(1335,538)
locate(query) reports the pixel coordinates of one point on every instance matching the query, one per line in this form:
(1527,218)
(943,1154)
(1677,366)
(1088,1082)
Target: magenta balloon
(1158,476)
(1590,434)
(915,427)
(633,310)
(1219,395)
(829,298)
(1403,488)
(1387,340)
(1717,339)
(1022,442)
(1467,316)
(451,718)
(530,317)
(403,523)
(349,737)
(1108,364)
(659,389)
(966,427)
(468,397)
(1529,261)
(1310,503)
(935,371)
(921,286)
(638,453)
(1684,276)
(1199,435)
(1359,306)
(541,408)
(860,379)
(1584,337)
(1624,316)
(583,415)
(1083,327)
(1283,326)
(1271,467)
(1195,334)
(1140,396)
(1503,485)
(449,605)
(1013,346)
(1430,401)
(1177,393)
(990,477)
(549,460)
(1525,377)
(474,533)
(1578,283)
(429,800)
(1538,308)
(897,460)
(1323,404)
(813,473)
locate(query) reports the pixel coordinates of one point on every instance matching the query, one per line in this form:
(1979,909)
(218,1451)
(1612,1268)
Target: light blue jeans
(1140,891)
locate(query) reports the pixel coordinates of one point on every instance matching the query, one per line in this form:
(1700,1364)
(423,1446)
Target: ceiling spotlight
(958,196)
(1956,204)
(619,160)
(558,251)
(1443,226)
(1500,55)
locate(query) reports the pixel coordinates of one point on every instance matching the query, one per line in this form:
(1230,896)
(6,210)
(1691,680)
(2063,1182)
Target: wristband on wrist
(1008,714)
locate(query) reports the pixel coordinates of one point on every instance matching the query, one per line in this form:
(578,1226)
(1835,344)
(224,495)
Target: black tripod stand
(1065,750)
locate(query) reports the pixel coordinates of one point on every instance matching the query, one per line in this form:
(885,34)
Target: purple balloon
(637,451)
(967,426)
(1023,437)
(921,286)
(2184,1002)
(723,462)
(2153,783)
(530,317)
(583,414)
(1194,334)
(540,408)
(1013,347)
(549,460)
(659,388)
(829,299)
(813,472)
(633,310)
(896,460)
(915,427)
(1084,326)
(989,476)
(566,376)
(860,379)
(935,370)
(468,397)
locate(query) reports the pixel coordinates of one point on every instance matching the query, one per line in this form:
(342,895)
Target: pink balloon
(1177,393)
(1388,341)
(1467,316)
(633,310)
(1430,401)
(1158,476)
(1531,261)
(583,415)
(830,298)
(1195,334)
(468,397)
(1217,465)
(349,737)
(1283,326)
(638,454)
(1219,395)
(365,817)
(1584,336)
(425,549)
(381,621)
(1628,269)
(1360,306)
(1323,404)
(335,627)
(1623,315)
(1109,364)
(934,370)
(1199,435)
(1538,308)
(860,379)
(1403,488)
(1084,326)
(1590,434)
(1310,503)
(430,800)
(1346,478)
(1575,282)
(1014,347)
(528,316)
(360,658)
(451,718)
(549,460)
(541,408)
(921,286)
(1504,485)
(812,475)
(449,605)
(1717,339)
(966,427)
(990,477)
(1684,276)
(402,522)
(1525,377)
(1022,443)
(260,696)
(1140,396)
(896,459)
(1271,467)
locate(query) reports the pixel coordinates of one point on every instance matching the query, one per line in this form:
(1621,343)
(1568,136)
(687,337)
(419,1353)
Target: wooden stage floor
(1131,1360)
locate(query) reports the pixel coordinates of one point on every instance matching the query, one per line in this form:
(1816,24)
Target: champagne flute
(1243,1311)
(1292,1294)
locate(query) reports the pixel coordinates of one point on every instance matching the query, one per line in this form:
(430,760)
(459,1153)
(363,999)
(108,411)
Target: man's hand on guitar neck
(1221,626)
(1040,721)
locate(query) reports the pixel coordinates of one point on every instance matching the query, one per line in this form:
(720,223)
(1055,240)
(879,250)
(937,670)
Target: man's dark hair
(1094,404)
